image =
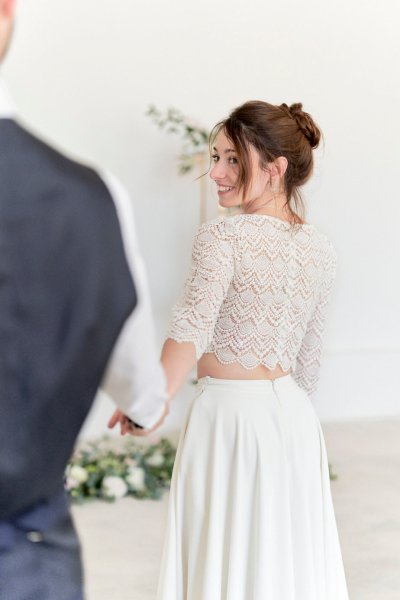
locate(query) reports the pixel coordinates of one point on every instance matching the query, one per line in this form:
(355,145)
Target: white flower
(114,487)
(78,473)
(136,479)
(156,460)
(70,484)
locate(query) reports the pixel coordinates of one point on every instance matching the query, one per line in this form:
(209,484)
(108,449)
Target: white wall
(84,73)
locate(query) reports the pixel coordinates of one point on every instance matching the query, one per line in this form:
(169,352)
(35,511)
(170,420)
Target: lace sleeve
(212,268)
(308,360)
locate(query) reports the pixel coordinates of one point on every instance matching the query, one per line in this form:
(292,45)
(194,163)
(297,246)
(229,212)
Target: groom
(70,279)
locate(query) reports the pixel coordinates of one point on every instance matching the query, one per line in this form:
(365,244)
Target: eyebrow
(225,151)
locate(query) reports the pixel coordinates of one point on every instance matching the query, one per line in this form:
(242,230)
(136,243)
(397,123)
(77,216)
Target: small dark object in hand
(135,424)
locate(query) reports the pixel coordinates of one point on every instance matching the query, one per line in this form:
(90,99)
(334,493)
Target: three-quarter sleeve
(212,269)
(308,360)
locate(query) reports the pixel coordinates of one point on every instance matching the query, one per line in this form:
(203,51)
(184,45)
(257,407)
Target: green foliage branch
(194,137)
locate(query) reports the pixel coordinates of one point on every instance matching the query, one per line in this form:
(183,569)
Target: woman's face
(225,173)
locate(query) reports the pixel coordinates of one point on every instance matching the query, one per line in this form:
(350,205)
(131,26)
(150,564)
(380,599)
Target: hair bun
(305,123)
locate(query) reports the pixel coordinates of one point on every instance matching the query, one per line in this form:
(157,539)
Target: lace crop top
(257,294)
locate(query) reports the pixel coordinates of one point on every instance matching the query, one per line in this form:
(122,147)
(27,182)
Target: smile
(222,188)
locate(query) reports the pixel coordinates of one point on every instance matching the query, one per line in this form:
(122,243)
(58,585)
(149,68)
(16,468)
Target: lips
(222,189)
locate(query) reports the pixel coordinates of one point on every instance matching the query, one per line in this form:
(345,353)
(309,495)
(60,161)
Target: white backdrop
(84,73)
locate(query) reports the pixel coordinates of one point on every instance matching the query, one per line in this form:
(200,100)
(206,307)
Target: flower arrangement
(108,470)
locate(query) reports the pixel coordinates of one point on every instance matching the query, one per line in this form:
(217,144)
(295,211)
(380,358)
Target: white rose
(136,479)
(156,460)
(70,484)
(114,487)
(78,473)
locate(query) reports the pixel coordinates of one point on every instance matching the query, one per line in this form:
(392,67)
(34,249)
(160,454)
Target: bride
(250,510)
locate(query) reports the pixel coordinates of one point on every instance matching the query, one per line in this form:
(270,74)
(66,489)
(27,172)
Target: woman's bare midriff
(210,366)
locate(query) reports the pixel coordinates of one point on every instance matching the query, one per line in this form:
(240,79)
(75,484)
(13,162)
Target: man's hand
(127,426)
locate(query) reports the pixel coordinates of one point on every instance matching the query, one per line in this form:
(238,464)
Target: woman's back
(251,477)
(256,296)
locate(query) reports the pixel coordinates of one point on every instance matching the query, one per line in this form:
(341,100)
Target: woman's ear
(281,165)
(277,168)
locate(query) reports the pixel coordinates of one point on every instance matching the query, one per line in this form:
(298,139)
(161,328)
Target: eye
(233,160)
(215,158)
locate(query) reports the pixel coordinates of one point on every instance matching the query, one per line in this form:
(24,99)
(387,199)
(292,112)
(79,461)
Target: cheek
(260,182)
(232,172)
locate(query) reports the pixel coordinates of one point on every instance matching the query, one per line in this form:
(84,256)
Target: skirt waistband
(248,383)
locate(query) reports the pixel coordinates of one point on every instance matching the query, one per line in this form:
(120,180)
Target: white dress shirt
(134,378)
(7,108)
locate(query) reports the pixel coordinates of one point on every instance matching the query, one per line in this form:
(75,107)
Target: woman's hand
(127,426)
(177,360)
(119,417)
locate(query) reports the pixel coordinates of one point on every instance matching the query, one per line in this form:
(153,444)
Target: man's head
(7,11)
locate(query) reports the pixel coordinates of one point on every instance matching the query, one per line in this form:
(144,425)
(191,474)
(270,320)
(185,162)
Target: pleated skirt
(250,513)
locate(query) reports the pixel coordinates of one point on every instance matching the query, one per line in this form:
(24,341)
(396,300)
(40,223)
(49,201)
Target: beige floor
(122,541)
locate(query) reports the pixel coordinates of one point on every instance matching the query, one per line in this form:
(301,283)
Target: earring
(274,190)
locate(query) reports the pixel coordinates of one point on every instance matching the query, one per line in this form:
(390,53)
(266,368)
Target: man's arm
(134,378)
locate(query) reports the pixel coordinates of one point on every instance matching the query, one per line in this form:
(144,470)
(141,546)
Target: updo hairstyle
(273,131)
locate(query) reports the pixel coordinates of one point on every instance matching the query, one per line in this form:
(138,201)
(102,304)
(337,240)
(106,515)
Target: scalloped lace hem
(252,364)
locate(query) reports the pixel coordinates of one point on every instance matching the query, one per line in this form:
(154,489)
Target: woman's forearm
(177,359)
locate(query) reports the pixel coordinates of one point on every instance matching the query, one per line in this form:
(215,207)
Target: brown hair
(273,131)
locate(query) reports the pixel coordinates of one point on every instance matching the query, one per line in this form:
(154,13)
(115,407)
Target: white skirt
(250,514)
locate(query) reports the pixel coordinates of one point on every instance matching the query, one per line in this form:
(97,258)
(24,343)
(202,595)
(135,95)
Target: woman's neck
(283,213)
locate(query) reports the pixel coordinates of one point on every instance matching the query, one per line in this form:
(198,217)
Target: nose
(218,171)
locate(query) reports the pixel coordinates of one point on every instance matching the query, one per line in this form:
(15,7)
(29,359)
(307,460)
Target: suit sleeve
(134,377)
